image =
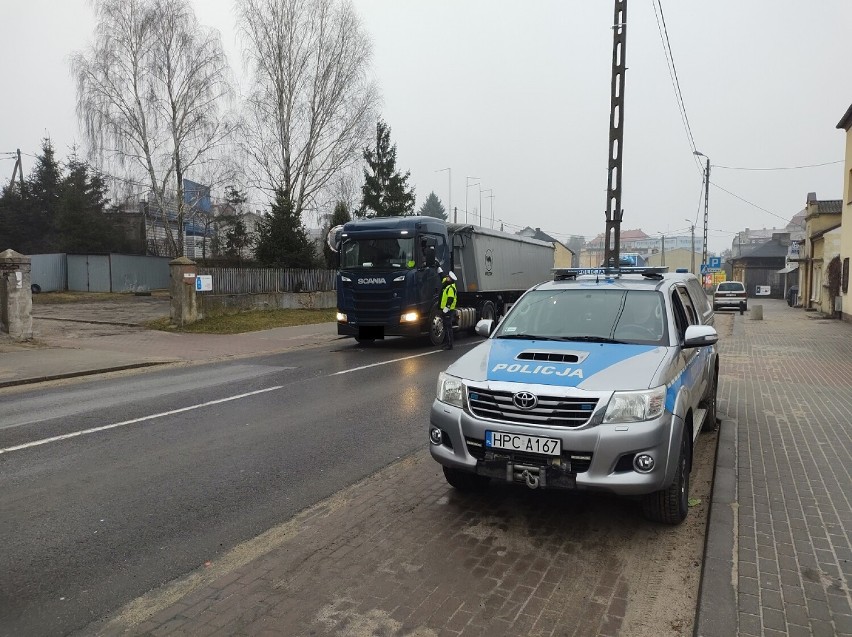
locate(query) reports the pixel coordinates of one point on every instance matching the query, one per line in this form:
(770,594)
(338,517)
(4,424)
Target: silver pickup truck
(597,380)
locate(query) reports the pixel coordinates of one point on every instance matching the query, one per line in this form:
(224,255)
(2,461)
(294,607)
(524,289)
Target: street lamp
(706,202)
(450,190)
(491,197)
(467,185)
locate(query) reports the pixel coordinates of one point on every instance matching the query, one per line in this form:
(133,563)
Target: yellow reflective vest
(449,297)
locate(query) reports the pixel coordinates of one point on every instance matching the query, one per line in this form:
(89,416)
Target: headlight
(409,317)
(636,406)
(341,317)
(450,389)
(345,278)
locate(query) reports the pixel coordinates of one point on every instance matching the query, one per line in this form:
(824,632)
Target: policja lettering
(546,370)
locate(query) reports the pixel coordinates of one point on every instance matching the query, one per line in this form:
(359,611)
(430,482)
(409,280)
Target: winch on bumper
(593,457)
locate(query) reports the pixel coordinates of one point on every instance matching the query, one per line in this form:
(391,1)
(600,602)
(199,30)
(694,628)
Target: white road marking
(84,432)
(44,441)
(395,360)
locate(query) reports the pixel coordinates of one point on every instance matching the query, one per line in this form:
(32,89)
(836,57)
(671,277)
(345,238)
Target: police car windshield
(384,252)
(592,315)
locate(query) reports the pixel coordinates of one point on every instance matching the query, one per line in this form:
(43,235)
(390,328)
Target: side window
(440,245)
(691,315)
(699,297)
(680,318)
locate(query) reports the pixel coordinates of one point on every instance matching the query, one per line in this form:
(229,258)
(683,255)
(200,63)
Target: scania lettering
(390,270)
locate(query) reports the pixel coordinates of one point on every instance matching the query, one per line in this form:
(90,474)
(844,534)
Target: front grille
(580,461)
(376,305)
(554,411)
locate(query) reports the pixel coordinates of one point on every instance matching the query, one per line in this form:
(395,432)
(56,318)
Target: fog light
(408,317)
(435,435)
(341,317)
(643,463)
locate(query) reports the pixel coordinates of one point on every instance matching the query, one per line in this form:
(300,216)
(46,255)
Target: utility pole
(614,213)
(706,208)
(456,214)
(692,231)
(663,257)
(19,169)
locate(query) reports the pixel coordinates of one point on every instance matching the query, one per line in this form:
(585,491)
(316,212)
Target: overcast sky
(517,94)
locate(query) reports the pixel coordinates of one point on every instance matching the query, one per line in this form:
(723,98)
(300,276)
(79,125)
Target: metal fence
(269,280)
(99,272)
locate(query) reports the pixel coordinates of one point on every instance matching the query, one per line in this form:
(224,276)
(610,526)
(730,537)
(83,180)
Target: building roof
(846,121)
(541,236)
(625,235)
(830,206)
(817,235)
(768,250)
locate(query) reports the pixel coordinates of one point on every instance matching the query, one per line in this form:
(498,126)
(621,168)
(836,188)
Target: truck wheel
(709,404)
(436,326)
(671,505)
(465,481)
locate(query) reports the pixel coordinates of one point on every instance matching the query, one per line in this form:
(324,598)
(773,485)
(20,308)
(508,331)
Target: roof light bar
(573,273)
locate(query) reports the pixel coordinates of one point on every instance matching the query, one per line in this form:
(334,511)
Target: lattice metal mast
(614,213)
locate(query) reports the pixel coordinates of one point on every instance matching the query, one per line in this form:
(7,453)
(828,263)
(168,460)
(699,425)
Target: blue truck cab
(388,283)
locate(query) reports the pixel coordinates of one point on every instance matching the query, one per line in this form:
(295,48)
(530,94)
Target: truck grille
(554,411)
(375,305)
(580,462)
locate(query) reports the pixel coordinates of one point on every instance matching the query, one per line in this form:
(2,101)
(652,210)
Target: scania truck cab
(388,283)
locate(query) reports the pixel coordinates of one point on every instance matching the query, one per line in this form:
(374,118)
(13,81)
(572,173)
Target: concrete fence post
(182,273)
(16,296)
(757,312)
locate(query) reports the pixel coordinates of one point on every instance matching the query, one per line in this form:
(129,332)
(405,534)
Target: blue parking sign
(715,263)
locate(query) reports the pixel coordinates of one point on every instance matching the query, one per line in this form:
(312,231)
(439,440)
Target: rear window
(731,286)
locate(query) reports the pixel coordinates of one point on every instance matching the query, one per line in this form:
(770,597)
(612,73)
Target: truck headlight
(341,317)
(450,389)
(636,406)
(409,317)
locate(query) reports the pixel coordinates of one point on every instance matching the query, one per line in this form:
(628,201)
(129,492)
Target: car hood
(589,366)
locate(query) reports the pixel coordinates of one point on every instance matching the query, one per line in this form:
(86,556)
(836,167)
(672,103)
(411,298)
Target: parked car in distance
(730,295)
(599,380)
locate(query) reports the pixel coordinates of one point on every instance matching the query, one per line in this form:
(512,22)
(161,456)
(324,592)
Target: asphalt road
(183,464)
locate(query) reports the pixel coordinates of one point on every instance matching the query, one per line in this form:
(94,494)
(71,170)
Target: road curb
(716,615)
(85,372)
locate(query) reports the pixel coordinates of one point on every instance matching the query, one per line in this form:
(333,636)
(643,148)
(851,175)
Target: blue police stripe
(503,366)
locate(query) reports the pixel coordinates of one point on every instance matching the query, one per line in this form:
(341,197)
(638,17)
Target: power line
(673,75)
(828,163)
(736,196)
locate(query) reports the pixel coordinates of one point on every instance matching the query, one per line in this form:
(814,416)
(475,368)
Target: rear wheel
(671,505)
(487,311)
(465,481)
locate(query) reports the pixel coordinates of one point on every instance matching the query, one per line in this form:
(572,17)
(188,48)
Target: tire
(465,481)
(715,308)
(487,311)
(35,288)
(436,327)
(670,506)
(709,403)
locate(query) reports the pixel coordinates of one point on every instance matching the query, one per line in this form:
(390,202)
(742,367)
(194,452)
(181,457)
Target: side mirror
(700,336)
(484,327)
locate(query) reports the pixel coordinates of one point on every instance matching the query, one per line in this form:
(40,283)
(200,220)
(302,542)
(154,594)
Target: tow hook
(532,480)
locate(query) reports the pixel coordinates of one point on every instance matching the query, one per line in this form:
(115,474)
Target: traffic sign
(715,263)
(705,269)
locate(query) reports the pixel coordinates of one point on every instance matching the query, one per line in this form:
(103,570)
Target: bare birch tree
(152,94)
(312,103)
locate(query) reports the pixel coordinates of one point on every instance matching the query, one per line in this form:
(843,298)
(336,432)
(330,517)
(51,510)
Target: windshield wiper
(591,339)
(529,337)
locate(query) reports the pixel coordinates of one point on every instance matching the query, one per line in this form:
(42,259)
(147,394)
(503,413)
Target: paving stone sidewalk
(786,382)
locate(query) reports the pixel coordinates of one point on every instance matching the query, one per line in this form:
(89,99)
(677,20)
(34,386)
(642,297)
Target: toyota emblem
(525,400)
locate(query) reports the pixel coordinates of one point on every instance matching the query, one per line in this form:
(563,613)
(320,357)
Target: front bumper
(594,457)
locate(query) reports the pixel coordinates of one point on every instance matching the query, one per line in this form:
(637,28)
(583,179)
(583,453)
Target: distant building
(563,256)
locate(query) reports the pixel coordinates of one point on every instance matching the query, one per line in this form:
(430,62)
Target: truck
(390,271)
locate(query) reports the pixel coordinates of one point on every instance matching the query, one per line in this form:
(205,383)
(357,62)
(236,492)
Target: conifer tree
(433,207)
(385,192)
(282,239)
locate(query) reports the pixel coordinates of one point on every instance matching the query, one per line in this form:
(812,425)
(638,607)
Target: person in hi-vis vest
(449,297)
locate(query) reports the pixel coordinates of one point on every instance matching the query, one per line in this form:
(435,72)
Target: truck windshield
(634,316)
(385,252)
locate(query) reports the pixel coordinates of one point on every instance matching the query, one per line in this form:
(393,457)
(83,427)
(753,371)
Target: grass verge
(56,298)
(248,321)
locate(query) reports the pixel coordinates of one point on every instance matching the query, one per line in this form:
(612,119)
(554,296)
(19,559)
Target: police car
(599,380)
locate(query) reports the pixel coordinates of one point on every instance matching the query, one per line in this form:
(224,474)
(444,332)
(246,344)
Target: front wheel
(709,404)
(465,481)
(671,505)
(436,326)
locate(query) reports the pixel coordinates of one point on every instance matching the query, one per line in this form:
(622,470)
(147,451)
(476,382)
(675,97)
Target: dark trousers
(448,328)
